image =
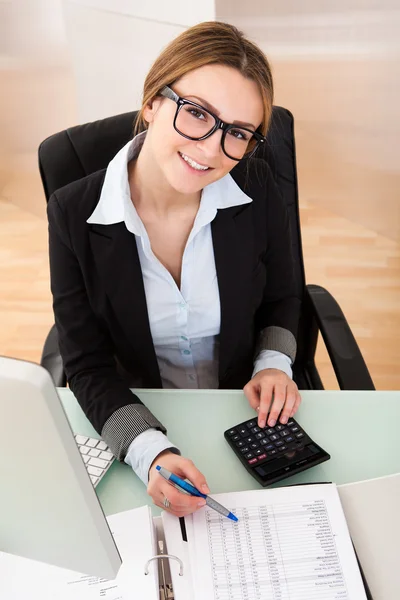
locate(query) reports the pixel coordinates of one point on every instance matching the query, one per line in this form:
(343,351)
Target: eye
(196,113)
(240,134)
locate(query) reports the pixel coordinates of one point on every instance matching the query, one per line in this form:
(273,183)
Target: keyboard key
(92,442)
(98,462)
(102,445)
(86,458)
(94,452)
(83,449)
(94,479)
(106,455)
(80,439)
(94,470)
(249,455)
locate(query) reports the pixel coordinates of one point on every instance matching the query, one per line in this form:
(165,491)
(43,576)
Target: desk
(358,429)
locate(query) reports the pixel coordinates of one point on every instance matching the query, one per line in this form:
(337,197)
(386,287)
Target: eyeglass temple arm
(168,93)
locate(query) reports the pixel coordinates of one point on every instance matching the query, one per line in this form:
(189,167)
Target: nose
(211,146)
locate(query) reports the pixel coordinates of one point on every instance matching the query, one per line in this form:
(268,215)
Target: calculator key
(232,432)
(272,452)
(282,448)
(264,442)
(279,427)
(249,455)
(251,424)
(260,436)
(295,428)
(289,439)
(254,445)
(262,456)
(278,443)
(290,423)
(269,447)
(258,452)
(285,432)
(240,444)
(255,429)
(252,461)
(245,449)
(274,437)
(236,438)
(249,439)
(269,431)
(243,431)
(299,435)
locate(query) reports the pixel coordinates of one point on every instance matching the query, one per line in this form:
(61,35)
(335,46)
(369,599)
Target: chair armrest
(51,358)
(349,366)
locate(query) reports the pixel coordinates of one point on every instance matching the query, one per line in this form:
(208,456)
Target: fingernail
(271,422)
(205,488)
(201,502)
(284,420)
(261,423)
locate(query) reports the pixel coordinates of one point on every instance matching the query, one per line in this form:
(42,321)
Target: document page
(289,544)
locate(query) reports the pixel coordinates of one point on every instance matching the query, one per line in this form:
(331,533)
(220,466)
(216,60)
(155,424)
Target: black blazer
(100,306)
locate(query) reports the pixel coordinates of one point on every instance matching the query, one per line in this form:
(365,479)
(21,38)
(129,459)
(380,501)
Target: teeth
(192,163)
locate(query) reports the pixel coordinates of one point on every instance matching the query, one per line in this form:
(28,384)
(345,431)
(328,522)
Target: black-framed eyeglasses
(195,122)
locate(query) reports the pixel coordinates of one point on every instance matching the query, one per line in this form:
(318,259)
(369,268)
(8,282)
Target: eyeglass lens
(196,123)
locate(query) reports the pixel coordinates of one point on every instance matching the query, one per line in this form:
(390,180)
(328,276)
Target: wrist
(156,460)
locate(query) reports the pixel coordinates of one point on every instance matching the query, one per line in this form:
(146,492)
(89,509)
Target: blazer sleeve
(86,349)
(277,317)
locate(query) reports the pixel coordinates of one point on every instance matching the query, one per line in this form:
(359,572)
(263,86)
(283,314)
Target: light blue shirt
(184,322)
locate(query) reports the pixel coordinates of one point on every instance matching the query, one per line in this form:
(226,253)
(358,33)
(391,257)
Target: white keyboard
(96,456)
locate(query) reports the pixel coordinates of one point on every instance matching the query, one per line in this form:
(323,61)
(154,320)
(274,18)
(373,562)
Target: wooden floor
(359,267)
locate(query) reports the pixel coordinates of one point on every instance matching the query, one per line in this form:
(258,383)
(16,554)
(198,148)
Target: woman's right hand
(181,504)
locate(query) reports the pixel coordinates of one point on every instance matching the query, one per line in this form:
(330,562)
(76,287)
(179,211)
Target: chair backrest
(81,150)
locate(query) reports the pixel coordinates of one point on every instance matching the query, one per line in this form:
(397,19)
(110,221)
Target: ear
(150,109)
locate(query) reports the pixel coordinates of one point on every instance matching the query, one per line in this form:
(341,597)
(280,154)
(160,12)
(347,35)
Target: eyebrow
(211,108)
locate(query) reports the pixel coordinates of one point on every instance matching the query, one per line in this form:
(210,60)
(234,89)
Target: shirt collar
(115,204)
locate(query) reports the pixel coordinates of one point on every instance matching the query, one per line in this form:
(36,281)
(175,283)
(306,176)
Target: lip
(194,171)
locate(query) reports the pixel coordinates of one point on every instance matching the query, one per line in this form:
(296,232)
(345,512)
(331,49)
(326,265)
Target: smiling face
(189,165)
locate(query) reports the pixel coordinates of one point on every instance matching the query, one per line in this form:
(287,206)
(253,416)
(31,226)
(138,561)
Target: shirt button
(186,352)
(183,337)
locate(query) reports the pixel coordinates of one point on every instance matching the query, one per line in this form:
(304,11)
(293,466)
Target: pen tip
(233,517)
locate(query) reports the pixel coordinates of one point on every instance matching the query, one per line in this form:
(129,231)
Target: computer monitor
(49,510)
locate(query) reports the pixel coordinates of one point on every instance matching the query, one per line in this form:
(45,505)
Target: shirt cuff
(272,359)
(144,449)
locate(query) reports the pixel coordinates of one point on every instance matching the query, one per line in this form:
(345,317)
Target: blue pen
(184,485)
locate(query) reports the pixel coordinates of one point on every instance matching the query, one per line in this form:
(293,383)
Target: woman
(172,267)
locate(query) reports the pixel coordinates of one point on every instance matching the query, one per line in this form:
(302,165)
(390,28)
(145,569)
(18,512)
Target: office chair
(78,151)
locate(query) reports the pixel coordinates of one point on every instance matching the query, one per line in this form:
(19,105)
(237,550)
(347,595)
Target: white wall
(113,44)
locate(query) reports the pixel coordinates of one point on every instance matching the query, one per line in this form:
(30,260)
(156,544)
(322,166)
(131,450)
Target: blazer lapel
(233,251)
(117,260)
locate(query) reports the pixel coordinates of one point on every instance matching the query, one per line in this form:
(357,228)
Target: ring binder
(157,556)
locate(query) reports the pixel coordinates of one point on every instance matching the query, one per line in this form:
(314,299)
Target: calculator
(273,453)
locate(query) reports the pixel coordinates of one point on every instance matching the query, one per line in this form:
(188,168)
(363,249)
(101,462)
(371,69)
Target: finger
(291,395)
(296,404)
(277,404)
(265,403)
(187,470)
(170,509)
(252,393)
(181,501)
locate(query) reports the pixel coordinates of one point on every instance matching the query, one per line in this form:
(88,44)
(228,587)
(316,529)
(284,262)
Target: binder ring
(157,556)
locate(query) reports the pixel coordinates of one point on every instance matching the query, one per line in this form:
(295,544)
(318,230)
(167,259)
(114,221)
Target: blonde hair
(212,42)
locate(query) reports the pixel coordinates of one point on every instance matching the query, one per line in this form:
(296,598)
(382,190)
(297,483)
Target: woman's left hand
(272,391)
